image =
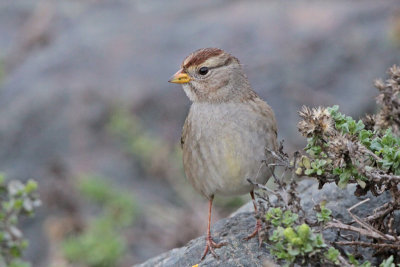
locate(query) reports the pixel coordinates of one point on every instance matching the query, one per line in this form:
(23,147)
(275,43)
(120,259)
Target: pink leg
(210,244)
(258,224)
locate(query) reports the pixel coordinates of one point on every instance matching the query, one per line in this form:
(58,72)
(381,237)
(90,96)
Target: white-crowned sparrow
(226,131)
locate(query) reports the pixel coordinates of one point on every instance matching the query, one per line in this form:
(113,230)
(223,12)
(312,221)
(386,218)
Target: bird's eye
(203,70)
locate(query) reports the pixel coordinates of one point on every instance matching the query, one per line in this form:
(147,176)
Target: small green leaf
(388,262)
(361,183)
(289,234)
(294,251)
(332,255)
(31,186)
(308,171)
(304,231)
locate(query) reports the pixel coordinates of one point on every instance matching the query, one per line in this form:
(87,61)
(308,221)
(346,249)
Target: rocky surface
(236,253)
(66,64)
(233,229)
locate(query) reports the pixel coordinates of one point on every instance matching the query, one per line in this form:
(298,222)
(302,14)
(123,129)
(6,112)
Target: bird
(226,131)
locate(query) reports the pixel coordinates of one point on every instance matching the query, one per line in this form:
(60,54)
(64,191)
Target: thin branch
(358,204)
(366,244)
(380,212)
(362,223)
(264,187)
(372,234)
(376,176)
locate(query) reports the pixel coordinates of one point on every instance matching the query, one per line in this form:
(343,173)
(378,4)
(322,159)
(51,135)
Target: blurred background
(86,109)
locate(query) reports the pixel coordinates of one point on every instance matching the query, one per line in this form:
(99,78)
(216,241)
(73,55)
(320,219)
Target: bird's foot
(257,231)
(210,246)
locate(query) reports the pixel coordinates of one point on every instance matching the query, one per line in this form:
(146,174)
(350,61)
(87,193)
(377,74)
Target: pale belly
(219,158)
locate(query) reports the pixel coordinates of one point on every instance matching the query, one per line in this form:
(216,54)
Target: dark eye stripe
(225,63)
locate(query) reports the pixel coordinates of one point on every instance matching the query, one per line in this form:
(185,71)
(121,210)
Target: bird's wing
(186,127)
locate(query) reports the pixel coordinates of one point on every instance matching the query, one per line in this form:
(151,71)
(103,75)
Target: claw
(256,232)
(210,245)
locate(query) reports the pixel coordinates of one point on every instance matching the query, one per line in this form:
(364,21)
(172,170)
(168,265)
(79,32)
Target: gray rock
(236,253)
(338,201)
(233,229)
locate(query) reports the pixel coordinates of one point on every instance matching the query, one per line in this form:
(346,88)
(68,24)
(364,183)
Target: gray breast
(224,146)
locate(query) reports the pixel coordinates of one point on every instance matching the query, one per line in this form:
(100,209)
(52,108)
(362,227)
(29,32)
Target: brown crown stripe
(201,55)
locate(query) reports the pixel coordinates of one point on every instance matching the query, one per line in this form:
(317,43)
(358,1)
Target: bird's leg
(210,244)
(258,224)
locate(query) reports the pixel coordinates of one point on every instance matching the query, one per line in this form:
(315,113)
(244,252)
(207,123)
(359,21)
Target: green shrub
(291,241)
(16,199)
(102,243)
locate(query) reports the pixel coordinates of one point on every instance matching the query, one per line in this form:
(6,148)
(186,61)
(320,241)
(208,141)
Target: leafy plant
(102,243)
(16,199)
(345,124)
(364,152)
(317,167)
(329,147)
(324,214)
(332,255)
(291,241)
(355,262)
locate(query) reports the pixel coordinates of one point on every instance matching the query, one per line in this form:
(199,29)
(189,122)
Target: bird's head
(211,75)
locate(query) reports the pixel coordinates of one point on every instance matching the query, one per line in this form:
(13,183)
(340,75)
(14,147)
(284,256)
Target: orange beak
(180,77)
